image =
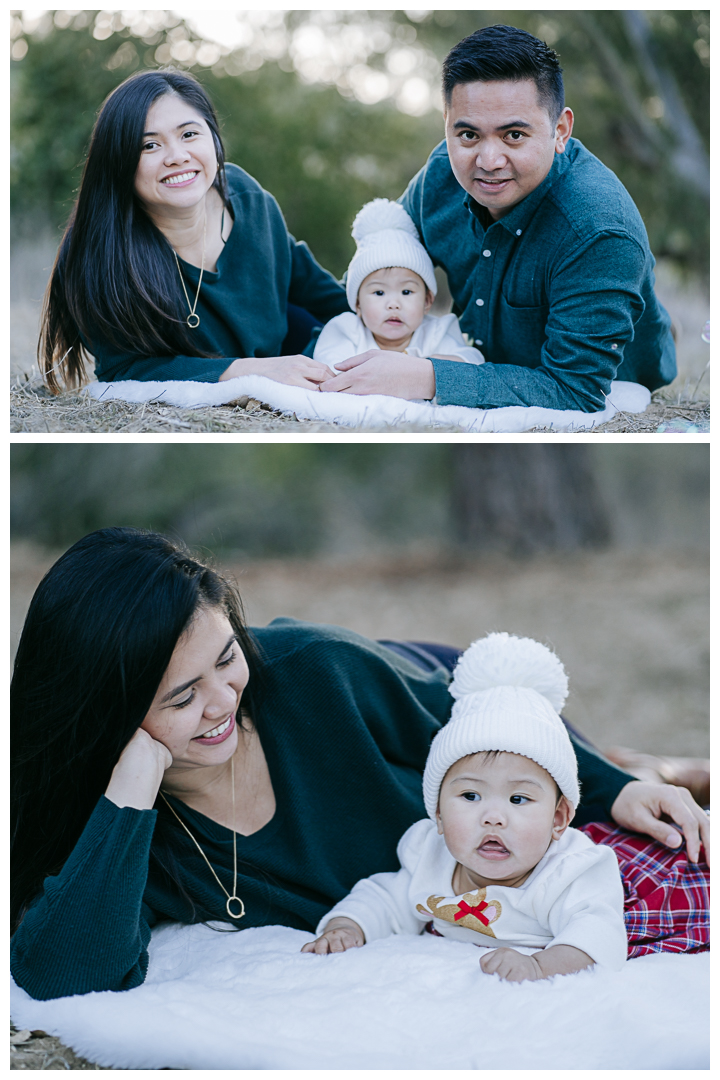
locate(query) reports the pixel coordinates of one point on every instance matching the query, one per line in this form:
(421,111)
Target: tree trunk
(524,499)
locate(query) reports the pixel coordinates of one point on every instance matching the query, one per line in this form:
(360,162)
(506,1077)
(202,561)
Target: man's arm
(594,303)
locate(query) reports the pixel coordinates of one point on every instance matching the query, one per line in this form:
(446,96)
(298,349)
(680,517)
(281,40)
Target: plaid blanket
(667,898)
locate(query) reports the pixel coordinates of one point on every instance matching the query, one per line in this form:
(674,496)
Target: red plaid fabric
(667,898)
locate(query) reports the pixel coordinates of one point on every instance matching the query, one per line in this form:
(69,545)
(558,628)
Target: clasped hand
(380,372)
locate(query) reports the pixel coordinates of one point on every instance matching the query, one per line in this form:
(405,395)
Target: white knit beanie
(508,695)
(386,236)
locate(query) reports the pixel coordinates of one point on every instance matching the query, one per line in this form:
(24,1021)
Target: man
(546,255)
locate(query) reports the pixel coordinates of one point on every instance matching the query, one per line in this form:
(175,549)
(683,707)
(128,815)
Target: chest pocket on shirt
(521,334)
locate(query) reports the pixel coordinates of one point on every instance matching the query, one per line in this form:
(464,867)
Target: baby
(495,863)
(391,285)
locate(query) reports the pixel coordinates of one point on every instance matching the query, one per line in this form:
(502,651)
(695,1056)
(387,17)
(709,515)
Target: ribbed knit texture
(346,726)
(508,694)
(386,236)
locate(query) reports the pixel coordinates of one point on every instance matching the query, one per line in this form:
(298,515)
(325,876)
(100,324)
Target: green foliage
(260,501)
(304,499)
(323,154)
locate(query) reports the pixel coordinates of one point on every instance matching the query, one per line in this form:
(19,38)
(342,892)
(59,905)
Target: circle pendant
(192,324)
(232,913)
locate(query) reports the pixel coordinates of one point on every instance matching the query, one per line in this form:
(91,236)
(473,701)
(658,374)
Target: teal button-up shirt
(558,295)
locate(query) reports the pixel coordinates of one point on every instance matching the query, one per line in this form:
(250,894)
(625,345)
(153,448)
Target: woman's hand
(639,807)
(339,934)
(296,370)
(378,372)
(136,778)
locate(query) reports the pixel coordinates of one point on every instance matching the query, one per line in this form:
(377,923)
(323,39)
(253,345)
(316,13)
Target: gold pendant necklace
(234,896)
(193,320)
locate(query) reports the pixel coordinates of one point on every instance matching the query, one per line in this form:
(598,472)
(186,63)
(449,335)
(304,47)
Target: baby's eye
(471,796)
(378,292)
(408,292)
(518,800)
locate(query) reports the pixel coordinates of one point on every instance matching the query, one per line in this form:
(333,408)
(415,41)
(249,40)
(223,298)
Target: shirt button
(479,303)
(487,253)
(518,232)
(613,346)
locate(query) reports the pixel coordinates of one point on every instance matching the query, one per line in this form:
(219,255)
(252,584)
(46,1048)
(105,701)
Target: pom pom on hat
(505,660)
(508,695)
(386,236)
(382,214)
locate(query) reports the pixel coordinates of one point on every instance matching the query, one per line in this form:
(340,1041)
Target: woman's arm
(87,929)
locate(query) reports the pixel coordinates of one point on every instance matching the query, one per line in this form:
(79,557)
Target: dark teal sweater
(346,726)
(243,304)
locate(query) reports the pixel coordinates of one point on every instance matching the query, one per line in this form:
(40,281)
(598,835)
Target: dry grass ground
(686,400)
(632,630)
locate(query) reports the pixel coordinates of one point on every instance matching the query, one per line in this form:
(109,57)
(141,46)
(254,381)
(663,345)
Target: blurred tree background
(328,109)
(599,549)
(348,501)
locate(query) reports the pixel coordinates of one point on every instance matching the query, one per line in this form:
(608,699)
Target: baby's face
(498,815)
(393,302)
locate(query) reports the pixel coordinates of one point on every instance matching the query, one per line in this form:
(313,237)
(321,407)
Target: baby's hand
(511,965)
(339,934)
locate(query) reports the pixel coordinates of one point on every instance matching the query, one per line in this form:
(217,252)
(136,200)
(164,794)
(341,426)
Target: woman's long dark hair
(98,637)
(115,273)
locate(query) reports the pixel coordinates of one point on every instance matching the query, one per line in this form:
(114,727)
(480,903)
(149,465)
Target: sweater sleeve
(380,904)
(113,365)
(600,783)
(311,286)
(88,929)
(588,914)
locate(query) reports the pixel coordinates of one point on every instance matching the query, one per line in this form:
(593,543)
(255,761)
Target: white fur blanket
(371,410)
(252,1000)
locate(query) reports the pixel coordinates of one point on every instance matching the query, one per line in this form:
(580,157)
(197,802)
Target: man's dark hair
(504,53)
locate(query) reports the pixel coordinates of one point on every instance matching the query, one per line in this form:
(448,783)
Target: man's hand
(296,370)
(511,965)
(378,372)
(339,934)
(639,808)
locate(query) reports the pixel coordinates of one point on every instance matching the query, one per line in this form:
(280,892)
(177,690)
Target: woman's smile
(218,734)
(179,178)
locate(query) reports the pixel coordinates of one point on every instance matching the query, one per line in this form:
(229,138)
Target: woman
(167,763)
(174,265)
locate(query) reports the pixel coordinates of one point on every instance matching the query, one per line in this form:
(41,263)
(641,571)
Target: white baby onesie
(347,335)
(574,896)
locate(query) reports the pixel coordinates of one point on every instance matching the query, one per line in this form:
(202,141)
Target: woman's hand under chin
(295,370)
(381,372)
(136,778)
